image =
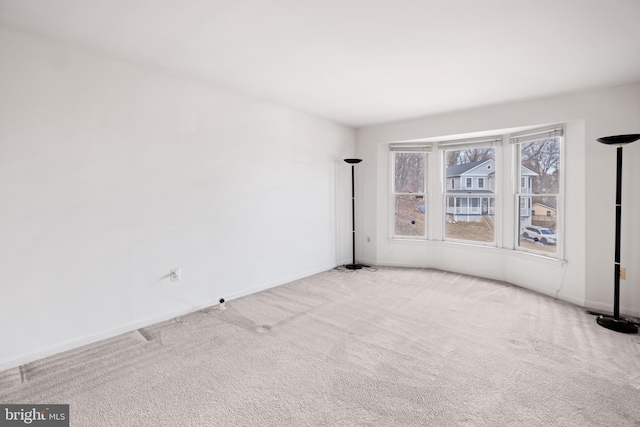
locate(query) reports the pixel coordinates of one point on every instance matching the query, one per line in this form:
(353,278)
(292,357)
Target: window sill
(408,239)
(536,257)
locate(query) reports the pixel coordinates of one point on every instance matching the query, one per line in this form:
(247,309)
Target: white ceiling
(360,62)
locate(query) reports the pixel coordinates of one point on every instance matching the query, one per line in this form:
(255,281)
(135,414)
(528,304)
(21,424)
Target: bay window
(473,186)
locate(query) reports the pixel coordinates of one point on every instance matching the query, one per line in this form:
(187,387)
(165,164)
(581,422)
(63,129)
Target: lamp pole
(353,265)
(616,323)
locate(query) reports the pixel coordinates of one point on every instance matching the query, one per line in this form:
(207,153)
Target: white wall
(112,173)
(586,277)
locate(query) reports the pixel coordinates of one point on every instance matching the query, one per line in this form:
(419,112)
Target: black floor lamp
(353,265)
(616,323)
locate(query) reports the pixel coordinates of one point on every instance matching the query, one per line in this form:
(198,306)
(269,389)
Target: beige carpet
(393,347)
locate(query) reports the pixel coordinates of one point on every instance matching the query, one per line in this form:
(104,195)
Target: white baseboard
(89,339)
(567,298)
(363,261)
(608,308)
(270,285)
(103,335)
(71,344)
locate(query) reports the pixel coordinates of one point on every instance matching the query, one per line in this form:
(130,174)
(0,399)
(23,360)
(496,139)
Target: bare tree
(409,168)
(543,158)
(470,155)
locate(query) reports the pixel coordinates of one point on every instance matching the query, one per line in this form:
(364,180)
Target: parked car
(539,234)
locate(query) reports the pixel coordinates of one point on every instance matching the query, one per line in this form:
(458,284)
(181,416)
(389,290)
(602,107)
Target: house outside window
(470,212)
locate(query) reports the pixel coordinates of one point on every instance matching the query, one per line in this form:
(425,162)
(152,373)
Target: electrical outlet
(623,273)
(174,274)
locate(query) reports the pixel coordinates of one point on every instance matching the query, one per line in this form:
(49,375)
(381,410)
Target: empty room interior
(182,241)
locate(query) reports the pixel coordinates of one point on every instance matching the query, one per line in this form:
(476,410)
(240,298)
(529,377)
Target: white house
(470,190)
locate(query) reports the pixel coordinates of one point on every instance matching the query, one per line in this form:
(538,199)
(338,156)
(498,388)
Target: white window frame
(505,185)
(408,148)
(494,142)
(530,136)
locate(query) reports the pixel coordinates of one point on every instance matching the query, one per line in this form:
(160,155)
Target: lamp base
(618,325)
(354,266)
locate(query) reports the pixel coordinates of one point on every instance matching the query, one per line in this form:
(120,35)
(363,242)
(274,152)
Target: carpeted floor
(392,347)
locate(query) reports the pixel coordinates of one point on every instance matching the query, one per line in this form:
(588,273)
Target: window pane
(538,213)
(409,169)
(539,232)
(469,211)
(410,216)
(479,231)
(541,164)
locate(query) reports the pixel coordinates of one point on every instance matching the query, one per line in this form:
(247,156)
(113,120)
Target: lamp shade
(619,139)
